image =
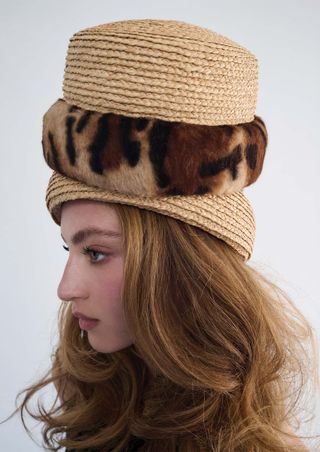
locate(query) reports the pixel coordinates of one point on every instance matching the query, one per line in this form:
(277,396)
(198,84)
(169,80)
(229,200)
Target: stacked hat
(159,114)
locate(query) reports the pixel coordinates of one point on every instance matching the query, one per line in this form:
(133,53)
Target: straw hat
(159,114)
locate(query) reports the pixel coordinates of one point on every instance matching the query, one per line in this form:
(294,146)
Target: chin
(105,347)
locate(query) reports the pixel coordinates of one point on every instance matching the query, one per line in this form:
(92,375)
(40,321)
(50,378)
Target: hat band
(152,157)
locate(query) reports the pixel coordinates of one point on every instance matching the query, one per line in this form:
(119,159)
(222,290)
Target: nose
(72,284)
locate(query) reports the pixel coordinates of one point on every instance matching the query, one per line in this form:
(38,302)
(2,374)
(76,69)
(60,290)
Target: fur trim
(152,157)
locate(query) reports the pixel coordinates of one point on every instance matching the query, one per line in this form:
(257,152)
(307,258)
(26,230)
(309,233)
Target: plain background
(284,35)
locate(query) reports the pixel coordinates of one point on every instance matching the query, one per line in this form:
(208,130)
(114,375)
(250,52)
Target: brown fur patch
(152,157)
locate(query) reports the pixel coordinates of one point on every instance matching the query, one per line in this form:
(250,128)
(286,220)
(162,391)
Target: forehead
(83,213)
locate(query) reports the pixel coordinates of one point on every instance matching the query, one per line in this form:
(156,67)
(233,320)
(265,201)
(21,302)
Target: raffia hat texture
(159,114)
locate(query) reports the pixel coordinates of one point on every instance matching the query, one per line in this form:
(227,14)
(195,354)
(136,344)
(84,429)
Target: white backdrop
(34,35)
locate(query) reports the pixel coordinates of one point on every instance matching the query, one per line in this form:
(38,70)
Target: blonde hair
(219,359)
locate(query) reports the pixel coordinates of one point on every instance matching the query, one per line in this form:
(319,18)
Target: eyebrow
(80,236)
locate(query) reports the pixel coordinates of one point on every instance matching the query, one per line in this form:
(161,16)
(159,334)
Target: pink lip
(82,316)
(85,323)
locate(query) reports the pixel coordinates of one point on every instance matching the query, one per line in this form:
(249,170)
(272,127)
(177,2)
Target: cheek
(110,288)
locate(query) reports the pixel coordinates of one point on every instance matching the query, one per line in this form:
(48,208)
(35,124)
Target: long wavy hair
(220,360)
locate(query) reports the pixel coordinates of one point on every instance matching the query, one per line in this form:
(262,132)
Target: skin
(93,282)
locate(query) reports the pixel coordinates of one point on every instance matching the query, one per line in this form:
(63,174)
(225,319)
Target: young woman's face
(93,281)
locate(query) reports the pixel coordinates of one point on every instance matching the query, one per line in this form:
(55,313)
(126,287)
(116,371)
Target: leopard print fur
(152,157)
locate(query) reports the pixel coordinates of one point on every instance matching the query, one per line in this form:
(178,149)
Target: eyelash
(86,250)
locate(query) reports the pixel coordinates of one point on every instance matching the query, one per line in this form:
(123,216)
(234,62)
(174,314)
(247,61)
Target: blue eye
(90,252)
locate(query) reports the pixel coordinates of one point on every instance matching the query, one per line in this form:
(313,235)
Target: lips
(80,316)
(85,322)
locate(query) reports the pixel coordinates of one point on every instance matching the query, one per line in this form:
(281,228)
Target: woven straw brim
(228,217)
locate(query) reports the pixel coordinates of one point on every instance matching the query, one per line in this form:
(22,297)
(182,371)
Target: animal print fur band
(152,157)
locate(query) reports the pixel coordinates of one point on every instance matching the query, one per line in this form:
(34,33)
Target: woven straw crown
(169,70)
(159,114)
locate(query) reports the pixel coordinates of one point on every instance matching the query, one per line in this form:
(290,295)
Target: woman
(168,339)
